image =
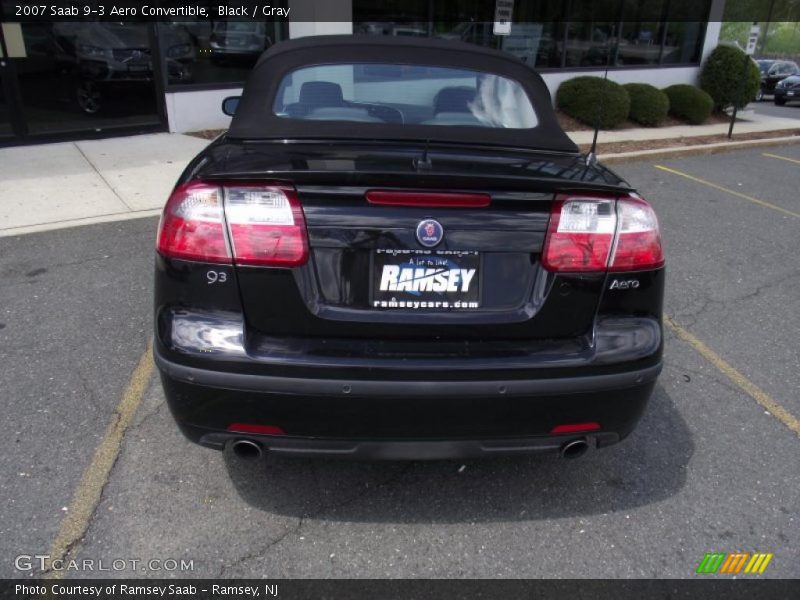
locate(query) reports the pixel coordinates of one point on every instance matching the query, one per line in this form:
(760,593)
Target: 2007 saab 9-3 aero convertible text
(395,252)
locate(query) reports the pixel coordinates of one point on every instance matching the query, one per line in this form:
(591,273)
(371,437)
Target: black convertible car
(395,252)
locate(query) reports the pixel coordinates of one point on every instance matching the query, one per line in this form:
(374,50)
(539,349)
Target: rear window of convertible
(404,94)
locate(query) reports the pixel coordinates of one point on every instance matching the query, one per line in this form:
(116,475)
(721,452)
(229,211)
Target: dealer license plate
(425,280)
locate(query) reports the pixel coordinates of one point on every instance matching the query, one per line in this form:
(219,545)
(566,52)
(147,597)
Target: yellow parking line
(733,192)
(747,386)
(87,495)
(786,158)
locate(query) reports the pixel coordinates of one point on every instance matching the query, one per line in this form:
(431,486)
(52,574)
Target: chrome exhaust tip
(574,449)
(247,449)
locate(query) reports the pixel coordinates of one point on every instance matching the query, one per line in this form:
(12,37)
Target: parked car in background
(395,252)
(96,61)
(773,71)
(391,28)
(238,40)
(474,32)
(787,90)
(409,31)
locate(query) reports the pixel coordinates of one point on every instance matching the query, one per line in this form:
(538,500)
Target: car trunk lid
(370,273)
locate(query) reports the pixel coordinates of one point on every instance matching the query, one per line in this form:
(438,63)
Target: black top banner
(344,10)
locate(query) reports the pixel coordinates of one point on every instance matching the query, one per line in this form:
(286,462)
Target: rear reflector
(428,199)
(575,428)
(597,233)
(265,225)
(257,429)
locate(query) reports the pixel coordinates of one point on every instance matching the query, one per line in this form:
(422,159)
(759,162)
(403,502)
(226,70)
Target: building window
(392,17)
(203,53)
(641,32)
(86,75)
(683,43)
(553,34)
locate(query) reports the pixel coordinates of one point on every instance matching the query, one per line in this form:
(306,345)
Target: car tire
(89,98)
(760,95)
(780,101)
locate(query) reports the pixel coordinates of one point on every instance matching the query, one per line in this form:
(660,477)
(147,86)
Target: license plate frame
(452,280)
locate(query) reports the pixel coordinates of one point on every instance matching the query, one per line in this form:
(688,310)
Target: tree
(722,77)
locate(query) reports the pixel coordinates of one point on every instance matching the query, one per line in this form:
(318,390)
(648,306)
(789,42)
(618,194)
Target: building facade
(70,80)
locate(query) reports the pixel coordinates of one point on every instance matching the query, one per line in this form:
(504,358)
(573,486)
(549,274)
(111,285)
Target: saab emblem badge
(430,233)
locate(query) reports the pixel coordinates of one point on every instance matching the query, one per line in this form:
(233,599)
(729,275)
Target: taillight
(192,227)
(580,235)
(590,234)
(638,244)
(265,223)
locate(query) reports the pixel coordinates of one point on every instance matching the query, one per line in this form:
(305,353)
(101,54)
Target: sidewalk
(59,185)
(748,122)
(51,186)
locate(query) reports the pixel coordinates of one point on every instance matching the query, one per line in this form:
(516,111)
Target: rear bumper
(403,418)
(304,447)
(783,94)
(345,388)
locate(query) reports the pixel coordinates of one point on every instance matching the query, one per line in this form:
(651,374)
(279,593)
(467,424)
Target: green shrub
(722,75)
(594,101)
(649,105)
(689,103)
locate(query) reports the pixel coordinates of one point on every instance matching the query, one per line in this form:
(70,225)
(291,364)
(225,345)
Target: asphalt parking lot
(712,466)
(768,107)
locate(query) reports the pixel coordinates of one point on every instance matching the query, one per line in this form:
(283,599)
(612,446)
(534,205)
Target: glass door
(6,130)
(77,76)
(68,79)
(5,112)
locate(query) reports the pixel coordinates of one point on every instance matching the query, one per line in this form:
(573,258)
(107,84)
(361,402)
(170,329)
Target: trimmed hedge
(583,97)
(722,77)
(689,103)
(649,105)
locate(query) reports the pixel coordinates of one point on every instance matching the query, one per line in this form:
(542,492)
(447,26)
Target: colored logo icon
(734,563)
(430,233)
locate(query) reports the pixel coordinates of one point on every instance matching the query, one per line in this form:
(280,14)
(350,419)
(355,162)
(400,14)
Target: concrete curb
(66,224)
(700,149)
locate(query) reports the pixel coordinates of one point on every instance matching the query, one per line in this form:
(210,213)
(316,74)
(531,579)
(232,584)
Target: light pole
(763,44)
(748,52)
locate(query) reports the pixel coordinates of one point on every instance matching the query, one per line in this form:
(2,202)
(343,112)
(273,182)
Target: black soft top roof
(255,119)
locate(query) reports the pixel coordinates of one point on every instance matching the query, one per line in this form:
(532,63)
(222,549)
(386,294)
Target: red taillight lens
(429,199)
(192,227)
(265,223)
(580,234)
(590,234)
(638,244)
